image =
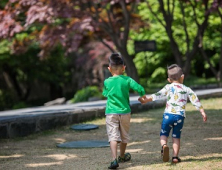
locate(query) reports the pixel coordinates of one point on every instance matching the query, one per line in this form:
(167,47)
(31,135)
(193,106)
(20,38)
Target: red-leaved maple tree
(71,23)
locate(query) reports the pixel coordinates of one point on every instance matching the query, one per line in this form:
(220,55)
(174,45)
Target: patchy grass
(200,144)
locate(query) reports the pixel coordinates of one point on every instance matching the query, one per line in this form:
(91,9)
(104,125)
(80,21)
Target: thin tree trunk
(168,14)
(208,61)
(131,70)
(168,17)
(220,63)
(13,79)
(55,91)
(7,80)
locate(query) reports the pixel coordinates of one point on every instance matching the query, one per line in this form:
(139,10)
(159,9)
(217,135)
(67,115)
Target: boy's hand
(203,115)
(142,99)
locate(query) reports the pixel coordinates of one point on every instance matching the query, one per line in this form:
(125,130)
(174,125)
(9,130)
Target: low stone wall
(26,125)
(23,126)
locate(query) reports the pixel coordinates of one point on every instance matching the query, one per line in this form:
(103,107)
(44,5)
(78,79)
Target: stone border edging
(23,125)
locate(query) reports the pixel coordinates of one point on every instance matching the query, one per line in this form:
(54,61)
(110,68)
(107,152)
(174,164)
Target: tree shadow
(203,159)
(200,142)
(199,139)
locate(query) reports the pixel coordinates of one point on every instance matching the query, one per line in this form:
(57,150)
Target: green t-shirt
(116,89)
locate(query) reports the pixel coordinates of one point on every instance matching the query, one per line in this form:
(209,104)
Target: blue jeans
(172,121)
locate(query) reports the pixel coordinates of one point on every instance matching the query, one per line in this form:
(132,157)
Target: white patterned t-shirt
(177,95)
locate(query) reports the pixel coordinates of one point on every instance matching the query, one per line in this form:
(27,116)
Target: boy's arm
(136,87)
(160,94)
(196,102)
(105,91)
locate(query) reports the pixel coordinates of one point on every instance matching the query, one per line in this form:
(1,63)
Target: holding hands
(144,99)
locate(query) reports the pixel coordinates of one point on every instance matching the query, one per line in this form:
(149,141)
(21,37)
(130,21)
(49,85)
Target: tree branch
(107,45)
(209,62)
(110,21)
(113,34)
(185,27)
(106,26)
(198,39)
(168,7)
(127,22)
(96,18)
(194,11)
(155,15)
(220,62)
(174,46)
(133,5)
(173,7)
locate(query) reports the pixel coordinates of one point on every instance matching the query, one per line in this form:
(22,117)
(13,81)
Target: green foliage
(147,62)
(4,44)
(199,81)
(85,93)
(3,3)
(57,70)
(7,99)
(20,105)
(158,75)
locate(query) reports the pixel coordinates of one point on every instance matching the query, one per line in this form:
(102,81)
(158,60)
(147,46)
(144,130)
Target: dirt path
(201,145)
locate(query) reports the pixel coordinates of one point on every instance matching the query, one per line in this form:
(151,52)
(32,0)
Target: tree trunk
(12,74)
(187,67)
(168,17)
(175,49)
(220,64)
(220,72)
(209,62)
(55,91)
(131,70)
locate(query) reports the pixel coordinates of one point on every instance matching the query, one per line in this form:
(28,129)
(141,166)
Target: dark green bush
(20,105)
(158,75)
(7,100)
(85,93)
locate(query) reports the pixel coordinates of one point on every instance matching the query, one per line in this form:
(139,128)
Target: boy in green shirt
(116,89)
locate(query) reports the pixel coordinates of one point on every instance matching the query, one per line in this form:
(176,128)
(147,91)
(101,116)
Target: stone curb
(25,124)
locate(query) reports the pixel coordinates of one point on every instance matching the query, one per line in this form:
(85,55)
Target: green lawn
(200,145)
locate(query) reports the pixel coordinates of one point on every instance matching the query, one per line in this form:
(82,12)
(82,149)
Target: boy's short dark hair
(174,72)
(115,60)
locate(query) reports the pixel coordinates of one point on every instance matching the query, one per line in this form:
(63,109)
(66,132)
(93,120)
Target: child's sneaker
(126,158)
(114,164)
(165,153)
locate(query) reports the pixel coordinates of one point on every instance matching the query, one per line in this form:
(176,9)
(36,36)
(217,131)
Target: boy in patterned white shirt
(174,114)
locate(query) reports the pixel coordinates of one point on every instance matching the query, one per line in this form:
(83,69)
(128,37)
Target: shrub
(158,75)
(20,105)
(7,100)
(85,93)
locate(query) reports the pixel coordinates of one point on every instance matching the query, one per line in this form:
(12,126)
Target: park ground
(200,145)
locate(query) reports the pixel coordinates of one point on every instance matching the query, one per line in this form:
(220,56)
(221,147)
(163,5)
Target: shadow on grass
(218,158)
(199,140)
